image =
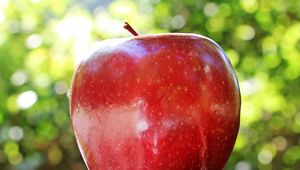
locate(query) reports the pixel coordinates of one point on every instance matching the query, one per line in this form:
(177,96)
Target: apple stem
(130,29)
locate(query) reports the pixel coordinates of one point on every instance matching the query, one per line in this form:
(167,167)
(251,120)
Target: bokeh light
(26,99)
(16,133)
(19,78)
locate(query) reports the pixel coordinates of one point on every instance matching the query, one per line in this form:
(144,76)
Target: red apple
(157,102)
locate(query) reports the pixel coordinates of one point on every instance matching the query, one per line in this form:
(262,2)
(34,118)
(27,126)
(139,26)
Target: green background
(41,41)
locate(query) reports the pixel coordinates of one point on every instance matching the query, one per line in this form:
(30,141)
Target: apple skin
(157,102)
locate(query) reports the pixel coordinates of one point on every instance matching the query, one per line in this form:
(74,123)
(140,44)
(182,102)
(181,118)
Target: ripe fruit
(166,101)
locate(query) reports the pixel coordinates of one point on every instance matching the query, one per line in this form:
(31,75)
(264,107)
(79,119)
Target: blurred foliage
(41,42)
